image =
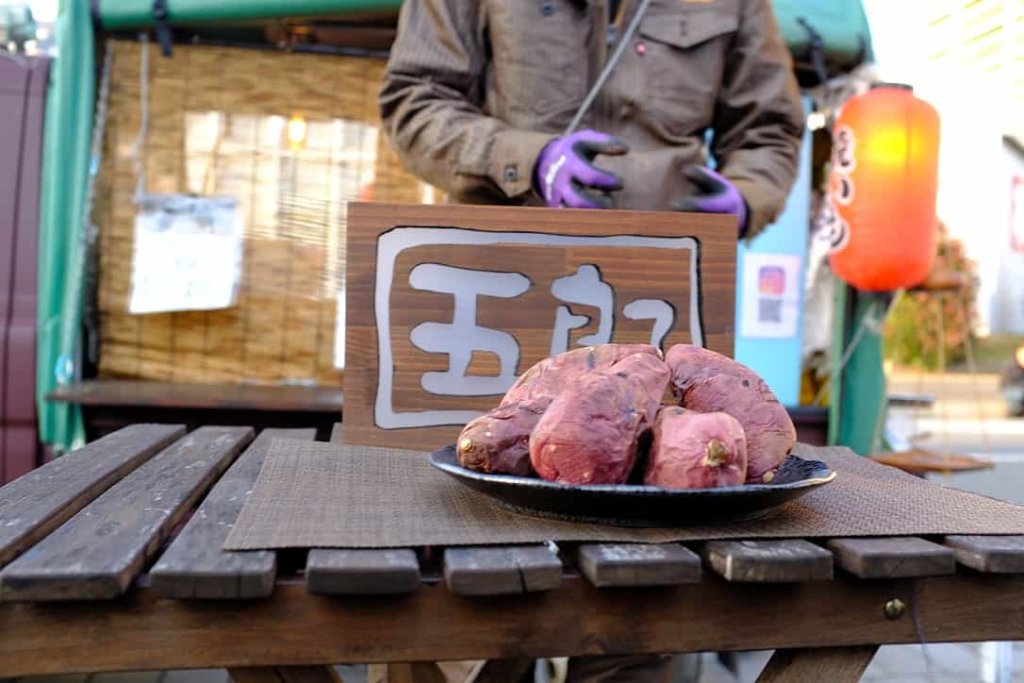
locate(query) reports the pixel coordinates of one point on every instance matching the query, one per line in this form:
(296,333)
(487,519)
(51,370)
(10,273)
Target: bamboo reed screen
(218,120)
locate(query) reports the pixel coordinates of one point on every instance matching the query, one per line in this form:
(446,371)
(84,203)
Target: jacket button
(511,174)
(547,9)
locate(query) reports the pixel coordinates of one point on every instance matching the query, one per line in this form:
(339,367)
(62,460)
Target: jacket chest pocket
(685,58)
(539,56)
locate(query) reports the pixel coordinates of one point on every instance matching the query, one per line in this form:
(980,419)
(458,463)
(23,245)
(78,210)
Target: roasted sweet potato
(498,442)
(693,450)
(708,382)
(545,379)
(590,432)
(650,376)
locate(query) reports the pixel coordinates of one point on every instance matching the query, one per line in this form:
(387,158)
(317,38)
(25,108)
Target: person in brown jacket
(478,94)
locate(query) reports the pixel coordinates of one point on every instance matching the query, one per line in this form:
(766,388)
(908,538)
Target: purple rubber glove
(714,194)
(564,174)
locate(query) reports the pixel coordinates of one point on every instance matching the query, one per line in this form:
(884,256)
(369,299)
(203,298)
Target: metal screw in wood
(894,609)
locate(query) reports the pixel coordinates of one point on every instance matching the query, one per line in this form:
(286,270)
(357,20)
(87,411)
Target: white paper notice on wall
(339,331)
(771,295)
(187,254)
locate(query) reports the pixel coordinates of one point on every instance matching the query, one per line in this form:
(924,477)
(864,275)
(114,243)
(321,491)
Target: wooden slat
(142,632)
(370,572)
(832,664)
(638,564)
(362,572)
(98,551)
(922,461)
(39,502)
(284,674)
(996,554)
(196,565)
(501,570)
(892,558)
(768,561)
(120,392)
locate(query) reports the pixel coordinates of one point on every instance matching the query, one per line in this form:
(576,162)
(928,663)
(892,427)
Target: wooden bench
(111,560)
(110,404)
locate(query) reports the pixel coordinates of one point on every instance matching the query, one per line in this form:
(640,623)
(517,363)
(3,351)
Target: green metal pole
(861,399)
(835,389)
(127,14)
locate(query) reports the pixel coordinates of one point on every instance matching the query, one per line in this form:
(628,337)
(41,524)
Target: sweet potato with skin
(547,378)
(590,432)
(709,382)
(649,375)
(696,450)
(498,442)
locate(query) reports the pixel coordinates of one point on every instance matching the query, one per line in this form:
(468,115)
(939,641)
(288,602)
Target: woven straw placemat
(318,495)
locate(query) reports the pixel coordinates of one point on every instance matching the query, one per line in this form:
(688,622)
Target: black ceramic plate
(637,505)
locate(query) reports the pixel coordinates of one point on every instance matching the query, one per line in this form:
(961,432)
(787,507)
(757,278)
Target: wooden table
(112,561)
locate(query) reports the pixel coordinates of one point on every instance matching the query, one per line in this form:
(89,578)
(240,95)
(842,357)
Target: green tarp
(66,164)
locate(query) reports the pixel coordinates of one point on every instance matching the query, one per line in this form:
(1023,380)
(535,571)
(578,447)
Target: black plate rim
(458,471)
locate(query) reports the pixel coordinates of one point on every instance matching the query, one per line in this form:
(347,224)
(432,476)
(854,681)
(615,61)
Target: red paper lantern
(881,195)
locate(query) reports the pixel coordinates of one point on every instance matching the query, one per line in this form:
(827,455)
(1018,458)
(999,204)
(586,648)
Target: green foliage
(929,329)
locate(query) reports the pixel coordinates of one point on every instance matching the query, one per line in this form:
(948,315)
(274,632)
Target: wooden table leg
(812,665)
(285,674)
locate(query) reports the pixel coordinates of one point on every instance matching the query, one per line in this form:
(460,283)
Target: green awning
(127,14)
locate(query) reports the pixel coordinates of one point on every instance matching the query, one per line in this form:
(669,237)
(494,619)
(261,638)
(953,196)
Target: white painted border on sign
(397,240)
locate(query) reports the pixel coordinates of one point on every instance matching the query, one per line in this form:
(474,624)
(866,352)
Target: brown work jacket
(475,88)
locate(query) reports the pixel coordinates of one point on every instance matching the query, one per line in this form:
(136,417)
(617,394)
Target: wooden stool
(920,461)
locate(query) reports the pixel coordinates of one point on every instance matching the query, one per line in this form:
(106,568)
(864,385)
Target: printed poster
(187,254)
(771,295)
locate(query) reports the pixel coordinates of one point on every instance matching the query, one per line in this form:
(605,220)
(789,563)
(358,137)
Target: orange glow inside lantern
(880,210)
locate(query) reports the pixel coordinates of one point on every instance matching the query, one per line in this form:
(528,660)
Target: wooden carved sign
(447,305)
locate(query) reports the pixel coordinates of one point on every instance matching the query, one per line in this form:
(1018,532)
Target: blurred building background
(966,57)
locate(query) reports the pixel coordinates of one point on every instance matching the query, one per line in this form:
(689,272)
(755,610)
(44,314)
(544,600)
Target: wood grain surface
(98,552)
(137,393)
(501,570)
(634,272)
(362,572)
(768,561)
(142,632)
(196,564)
(997,554)
(39,502)
(891,558)
(638,564)
(285,674)
(832,664)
